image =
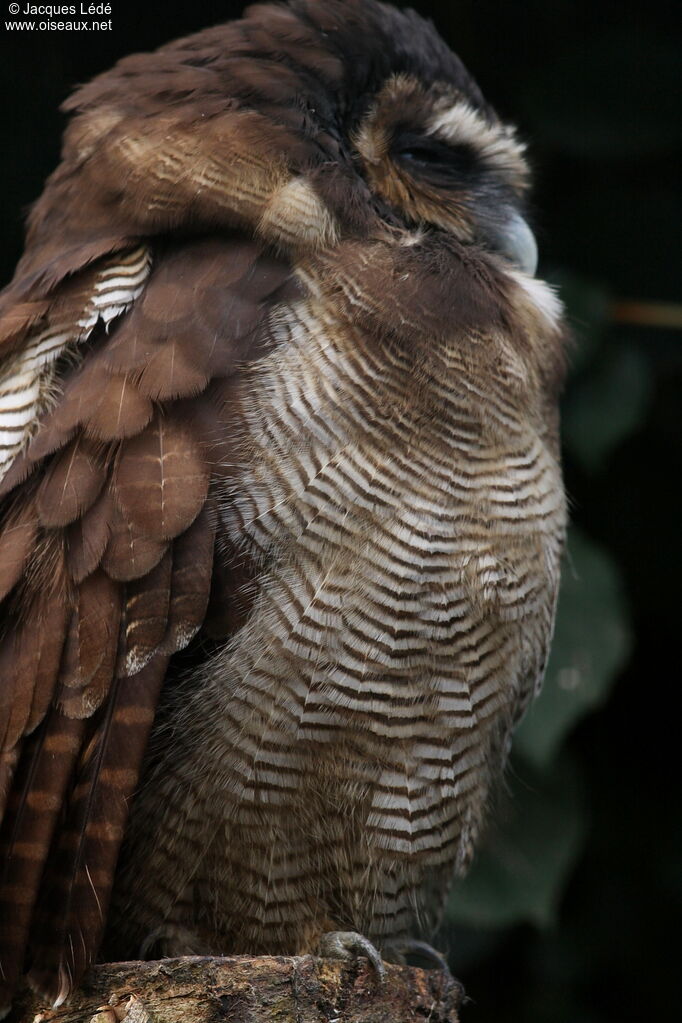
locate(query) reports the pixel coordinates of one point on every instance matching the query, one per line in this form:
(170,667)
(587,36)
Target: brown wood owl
(282,508)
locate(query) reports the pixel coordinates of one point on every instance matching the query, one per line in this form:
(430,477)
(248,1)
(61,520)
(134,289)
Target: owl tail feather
(44,771)
(67,929)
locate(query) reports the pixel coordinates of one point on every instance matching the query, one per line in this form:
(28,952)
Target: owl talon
(347,946)
(430,958)
(419,953)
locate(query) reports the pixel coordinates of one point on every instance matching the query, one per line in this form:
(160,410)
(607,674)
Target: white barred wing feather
(26,376)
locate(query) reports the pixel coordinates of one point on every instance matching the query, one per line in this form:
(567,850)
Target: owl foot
(347,946)
(419,953)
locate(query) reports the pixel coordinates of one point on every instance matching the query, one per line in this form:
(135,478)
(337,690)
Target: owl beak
(517,242)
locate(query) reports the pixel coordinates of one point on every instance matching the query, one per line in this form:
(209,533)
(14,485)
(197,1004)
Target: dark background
(594,88)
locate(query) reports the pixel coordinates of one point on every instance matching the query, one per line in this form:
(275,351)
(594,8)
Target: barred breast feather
(406,529)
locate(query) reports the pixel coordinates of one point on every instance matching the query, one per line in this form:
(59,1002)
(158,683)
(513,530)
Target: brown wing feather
(146,615)
(161,480)
(87,538)
(17,540)
(70,485)
(191,580)
(106,566)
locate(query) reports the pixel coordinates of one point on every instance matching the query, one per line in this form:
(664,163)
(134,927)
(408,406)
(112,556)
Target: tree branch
(243,989)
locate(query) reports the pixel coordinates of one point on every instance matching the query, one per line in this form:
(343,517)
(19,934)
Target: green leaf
(603,408)
(592,641)
(521,869)
(587,310)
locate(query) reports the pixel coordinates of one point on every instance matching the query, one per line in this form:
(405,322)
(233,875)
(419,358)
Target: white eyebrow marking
(495,142)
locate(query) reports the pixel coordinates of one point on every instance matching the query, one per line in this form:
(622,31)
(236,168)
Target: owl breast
(339,751)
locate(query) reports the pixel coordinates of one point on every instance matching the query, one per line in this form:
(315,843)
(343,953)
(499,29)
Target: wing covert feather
(107,544)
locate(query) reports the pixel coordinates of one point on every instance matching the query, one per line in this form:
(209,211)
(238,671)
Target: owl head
(306,124)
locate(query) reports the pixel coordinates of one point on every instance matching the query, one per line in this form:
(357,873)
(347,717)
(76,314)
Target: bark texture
(243,989)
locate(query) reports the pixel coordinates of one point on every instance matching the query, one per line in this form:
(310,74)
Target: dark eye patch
(437,160)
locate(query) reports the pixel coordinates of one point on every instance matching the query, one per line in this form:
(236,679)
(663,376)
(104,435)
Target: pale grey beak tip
(518,243)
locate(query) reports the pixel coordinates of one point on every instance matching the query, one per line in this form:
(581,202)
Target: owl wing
(116,392)
(126,347)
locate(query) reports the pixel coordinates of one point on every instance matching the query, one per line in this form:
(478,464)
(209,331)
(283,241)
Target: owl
(282,508)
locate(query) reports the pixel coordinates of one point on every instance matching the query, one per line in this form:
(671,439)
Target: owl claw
(420,953)
(429,957)
(347,946)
